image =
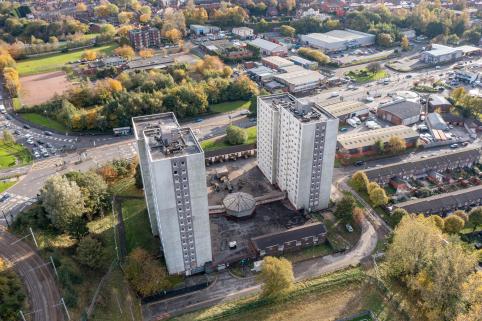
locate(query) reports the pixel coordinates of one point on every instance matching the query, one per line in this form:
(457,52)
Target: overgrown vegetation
(12,294)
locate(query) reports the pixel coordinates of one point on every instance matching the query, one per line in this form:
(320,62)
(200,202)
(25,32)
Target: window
(175,172)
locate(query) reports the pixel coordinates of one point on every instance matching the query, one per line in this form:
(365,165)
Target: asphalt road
(38,278)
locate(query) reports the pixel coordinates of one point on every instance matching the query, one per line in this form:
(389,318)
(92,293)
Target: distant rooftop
(368,138)
(440,50)
(305,113)
(264,44)
(164,136)
(345,108)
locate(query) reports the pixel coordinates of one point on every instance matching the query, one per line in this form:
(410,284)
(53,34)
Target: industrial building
(299,79)
(359,144)
(305,63)
(268,48)
(296,149)
(400,112)
(436,122)
(145,38)
(439,104)
(276,62)
(202,30)
(243,32)
(174,178)
(338,40)
(347,109)
(441,54)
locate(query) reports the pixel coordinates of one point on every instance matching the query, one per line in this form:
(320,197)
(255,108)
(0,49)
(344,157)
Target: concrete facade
(173,173)
(296,149)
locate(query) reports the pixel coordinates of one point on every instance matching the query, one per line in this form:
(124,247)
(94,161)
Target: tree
(462,215)
(89,252)
(359,180)
(287,31)
(438,221)
(398,214)
(144,273)
(173,35)
(314,54)
(12,80)
(77,227)
(12,295)
(125,17)
(475,217)
(433,269)
(80,7)
(344,207)
(378,197)
(144,18)
(385,39)
(374,67)
(126,52)
(89,54)
(286,5)
(62,200)
(396,145)
(108,30)
(7,137)
(236,135)
(277,276)
(358,215)
(371,186)
(195,15)
(146,53)
(404,43)
(453,224)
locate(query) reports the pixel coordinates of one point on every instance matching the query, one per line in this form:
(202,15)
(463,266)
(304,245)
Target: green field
(54,62)
(137,226)
(6,185)
(217,143)
(44,121)
(13,154)
(363,75)
(230,106)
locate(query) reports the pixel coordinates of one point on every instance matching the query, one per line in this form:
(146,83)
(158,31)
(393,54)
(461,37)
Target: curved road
(37,277)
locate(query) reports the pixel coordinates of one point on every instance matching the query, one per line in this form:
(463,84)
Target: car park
(30,141)
(17,132)
(48,145)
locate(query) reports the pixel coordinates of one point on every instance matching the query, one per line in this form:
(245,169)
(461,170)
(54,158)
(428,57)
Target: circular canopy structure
(239,204)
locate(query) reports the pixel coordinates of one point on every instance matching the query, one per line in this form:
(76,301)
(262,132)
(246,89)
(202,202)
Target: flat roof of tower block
(304,112)
(164,136)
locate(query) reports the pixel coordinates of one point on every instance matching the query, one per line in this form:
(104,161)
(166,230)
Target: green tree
(77,227)
(374,67)
(287,31)
(462,215)
(378,197)
(236,135)
(62,200)
(359,181)
(7,137)
(453,224)
(89,252)
(344,208)
(385,39)
(371,186)
(12,295)
(398,214)
(144,273)
(475,217)
(277,276)
(438,221)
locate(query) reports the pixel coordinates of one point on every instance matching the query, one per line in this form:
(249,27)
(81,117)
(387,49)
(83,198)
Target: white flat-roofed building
(347,109)
(299,79)
(174,177)
(243,32)
(338,40)
(276,62)
(305,63)
(296,149)
(268,48)
(441,54)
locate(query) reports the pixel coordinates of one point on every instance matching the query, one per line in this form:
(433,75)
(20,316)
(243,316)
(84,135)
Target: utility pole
(65,307)
(21,314)
(53,264)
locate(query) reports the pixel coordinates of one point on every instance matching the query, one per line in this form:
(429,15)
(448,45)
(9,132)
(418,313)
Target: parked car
(349,228)
(26,126)
(48,133)
(359,163)
(334,94)
(453,146)
(4,197)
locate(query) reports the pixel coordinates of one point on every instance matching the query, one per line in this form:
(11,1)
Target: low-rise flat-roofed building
(338,40)
(467,76)
(202,30)
(243,32)
(359,144)
(438,104)
(347,109)
(261,74)
(305,63)
(299,79)
(173,173)
(441,54)
(400,112)
(446,203)
(268,48)
(276,62)
(154,62)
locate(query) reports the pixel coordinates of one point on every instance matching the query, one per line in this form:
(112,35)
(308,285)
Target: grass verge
(363,75)
(4,185)
(44,121)
(13,154)
(229,106)
(16,104)
(56,61)
(218,143)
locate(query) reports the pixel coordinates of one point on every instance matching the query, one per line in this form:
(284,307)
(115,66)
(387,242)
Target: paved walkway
(37,277)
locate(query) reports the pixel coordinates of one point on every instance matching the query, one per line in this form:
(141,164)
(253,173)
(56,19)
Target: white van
(2,109)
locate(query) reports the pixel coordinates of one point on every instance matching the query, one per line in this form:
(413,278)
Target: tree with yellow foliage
(106,87)
(12,80)
(404,43)
(173,35)
(80,7)
(126,52)
(89,55)
(146,53)
(125,17)
(6,61)
(144,18)
(277,276)
(123,30)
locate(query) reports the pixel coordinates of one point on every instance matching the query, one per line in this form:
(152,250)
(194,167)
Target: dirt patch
(37,89)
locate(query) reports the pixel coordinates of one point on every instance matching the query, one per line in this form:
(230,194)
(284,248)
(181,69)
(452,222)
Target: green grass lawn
(6,185)
(13,154)
(218,143)
(310,252)
(38,65)
(229,106)
(363,75)
(137,226)
(44,121)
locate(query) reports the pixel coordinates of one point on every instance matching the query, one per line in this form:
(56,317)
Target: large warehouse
(338,40)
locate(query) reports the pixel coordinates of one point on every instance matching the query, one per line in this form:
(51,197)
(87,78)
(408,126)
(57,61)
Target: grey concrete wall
(329,152)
